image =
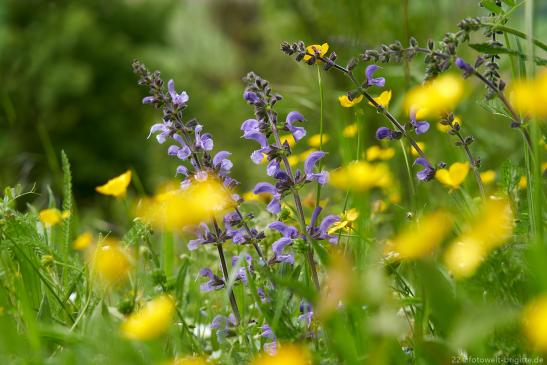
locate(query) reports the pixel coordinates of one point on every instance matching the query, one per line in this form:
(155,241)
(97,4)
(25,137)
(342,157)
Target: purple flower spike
(309,166)
(278,247)
(214,283)
(306,311)
(242,271)
(204,142)
(427,173)
(371,80)
(178,99)
(222,162)
(271,346)
(420,127)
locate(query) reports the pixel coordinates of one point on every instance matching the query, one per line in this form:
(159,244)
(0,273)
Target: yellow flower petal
(322,49)
(534,323)
(315,140)
(413,152)
(286,354)
(361,176)
(488,176)
(383,99)
(82,241)
(110,264)
(434,97)
(116,186)
(523,182)
(454,175)
(50,217)
(350,130)
(293,160)
(377,153)
(346,103)
(289,138)
(151,321)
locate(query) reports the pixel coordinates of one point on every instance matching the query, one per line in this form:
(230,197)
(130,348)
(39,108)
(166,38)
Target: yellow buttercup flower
(490,229)
(116,186)
(286,354)
(445,128)
(530,96)
(321,49)
(315,140)
(422,237)
(346,223)
(378,153)
(175,209)
(534,323)
(383,99)
(52,216)
(415,153)
(150,321)
(523,182)
(436,96)
(289,138)
(83,241)
(110,263)
(187,361)
(350,130)
(346,103)
(293,160)
(361,176)
(454,175)
(488,176)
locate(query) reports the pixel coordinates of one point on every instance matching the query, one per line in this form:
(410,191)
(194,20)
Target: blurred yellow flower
(377,153)
(321,49)
(116,186)
(289,138)
(454,175)
(361,176)
(488,176)
(383,99)
(110,263)
(523,182)
(286,354)
(413,152)
(346,103)
(436,96)
(52,216)
(314,141)
(179,208)
(422,237)
(530,96)
(445,128)
(306,153)
(490,229)
(188,361)
(150,321)
(350,130)
(293,160)
(346,221)
(534,323)
(82,241)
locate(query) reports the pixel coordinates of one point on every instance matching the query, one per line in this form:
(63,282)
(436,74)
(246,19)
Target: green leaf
(509,2)
(490,5)
(67,202)
(491,50)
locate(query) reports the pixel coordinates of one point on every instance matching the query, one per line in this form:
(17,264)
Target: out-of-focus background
(66,80)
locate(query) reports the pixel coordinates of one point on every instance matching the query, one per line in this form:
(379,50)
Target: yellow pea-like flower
(83,241)
(151,321)
(534,323)
(52,216)
(350,130)
(346,103)
(116,186)
(321,49)
(454,175)
(110,264)
(383,99)
(315,140)
(378,153)
(488,176)
(286,354)
(422,237)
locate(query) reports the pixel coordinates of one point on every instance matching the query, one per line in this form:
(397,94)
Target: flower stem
(320,83)
(474,164)
(233,301)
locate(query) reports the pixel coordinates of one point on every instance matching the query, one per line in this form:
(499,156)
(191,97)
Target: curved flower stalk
(264,129)
(193,147)
(400,130)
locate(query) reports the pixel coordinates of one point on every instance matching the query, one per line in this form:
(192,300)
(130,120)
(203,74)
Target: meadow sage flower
(371,80)
(150,321)
(306,313)
(428,171)
(116,186)
(420,127)
(297,132)
(309,166)
(179,100)
(223,325)
(214,282)
(386,133)
(321,232)
(453,176)
(270,347)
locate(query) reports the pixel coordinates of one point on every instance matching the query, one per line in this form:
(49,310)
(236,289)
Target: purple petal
(273,168)
(221,155)
(294,117)
(249,124)
(264,187)
(173,150)
(274,206)
(311,160)
(327,222)
(257,156)
(171,88)
(148,100)
(182,170)
(421,127)
(315,215)
(421,161)
(279,245)
(284,229)
(383,133)
(297,132)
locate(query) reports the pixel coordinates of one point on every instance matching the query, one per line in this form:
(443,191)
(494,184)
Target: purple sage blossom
(297,132)
(420,127)
(270,347)
(306,313)
(242,270)
(321,232)
(309,166)
(278,247)
(371,80)
(274,206)
(178,99)
(427,173)
(465,67)
(214,282)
